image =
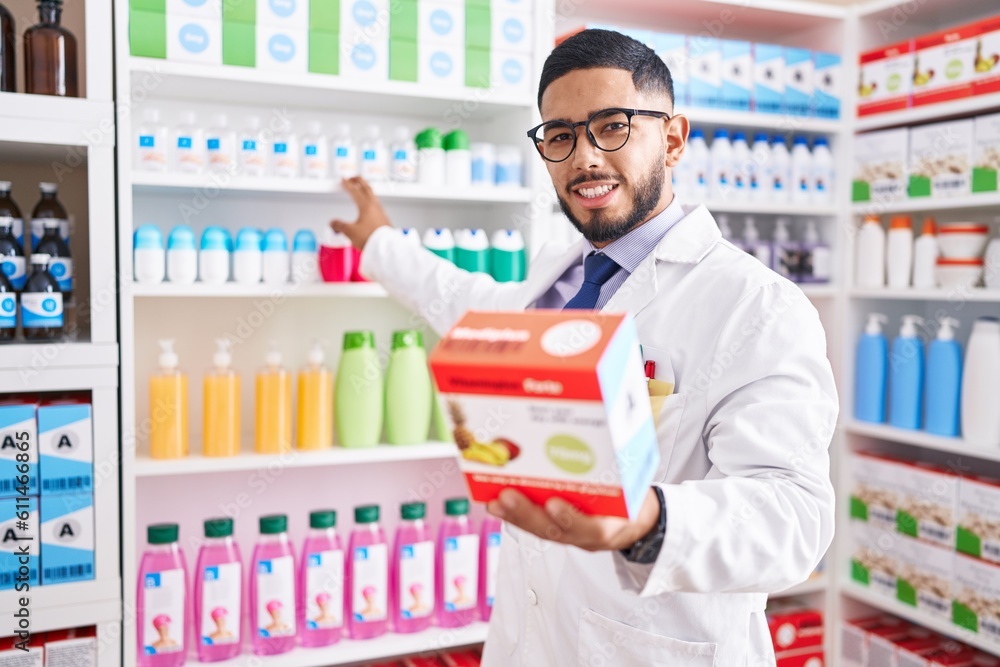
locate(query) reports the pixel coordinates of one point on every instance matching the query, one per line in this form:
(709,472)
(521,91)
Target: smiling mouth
(595,191)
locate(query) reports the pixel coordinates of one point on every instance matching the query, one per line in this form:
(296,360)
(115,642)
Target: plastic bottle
(162,600)
(374,157)
(315,405)
(220,143)
(412,591)
(50,54)
(407,390)
(870,371)
(816,260)
(484,164)
(404,157)
(336,257)
(785,256)
(149,259)
(823,182)
(760,160)
(315,152)
(721,169)
(273,413)
(779,172)
(899,251)
(218,593)
(213,260)
(430,158)
(943,386)
(508,260)
(285,152)
(440,242)
(870,270)
(458,159)
(741,167)
(7,61)
(252,155)
(412,236)
(925,254)
(305,258)
(11,213)
(182,257)
(358,398)
(273,603)
(906,376)
(981,384)
(48,207)
(60,262)
(472,250)
(12,263)
(752,243)
(458,566)
(489,562)
(189,155)
(248,261)
(510,166)
(41,302)
(151,140)
(222,404)
(367,576)
(345,153)
(8,310)
(699,160)
(321,582)
(168,402)
(802,171)
(276,258)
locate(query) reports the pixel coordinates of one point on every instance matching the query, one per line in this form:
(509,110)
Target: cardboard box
(438,21)
(929,504)
(876,494)
(705,71)
(285,14)
(552,404)
(147,34)
(67,538)
(874,558)
(978,532)
(65,448)
(798,81)
(239,44)
(827,85)
(987,163)
(77,650)
(194,40)
(364,22)
(672,49)
(886,79)
(737,75)
(944,64)
(19,528)
(856,637)
(12,656)
(881,166)
(986,64)
(366,60)
(768,78)
(510,72)
(803,657)
(18,439)
(282,49)
(925,577)
(511,31)
(324,15)
(794,626)
(440,64)
(324,52)
(907,652)
(941,156)
(977,597)
(199,9)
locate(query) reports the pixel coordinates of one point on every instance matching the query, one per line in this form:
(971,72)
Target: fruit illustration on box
(987,63)
(865,89)
(921,78)
(498,453)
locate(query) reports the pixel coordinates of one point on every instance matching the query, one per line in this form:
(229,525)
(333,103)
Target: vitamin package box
(705,71)
(827,91)
(986,77)
(856,636)
(874,558)
(67,538)
(672,49)
(925,577)
(19,547)
(896,651)
(65,448)
(881,166)
(794,625)
(768,78)
(15,653)
(886,78)
(551,404)
(943,65)
(798,81)
(929,504)
(18,439)
(801,657)
(737,75)
(941,156)
(977,597)
(987,162)
(877,490)
(978,532)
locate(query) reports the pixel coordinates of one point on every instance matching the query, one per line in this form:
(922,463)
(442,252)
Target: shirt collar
(629,250)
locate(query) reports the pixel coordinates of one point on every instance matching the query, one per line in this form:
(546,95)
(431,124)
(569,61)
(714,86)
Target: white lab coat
(744,448)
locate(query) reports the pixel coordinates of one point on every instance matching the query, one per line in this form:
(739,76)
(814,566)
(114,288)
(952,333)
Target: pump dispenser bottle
(871,366)
(906,375)
(943,386)
(222,405)
(315,409)
(168,407)
(274,406)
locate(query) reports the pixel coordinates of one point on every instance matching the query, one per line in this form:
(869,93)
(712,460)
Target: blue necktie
(597,270)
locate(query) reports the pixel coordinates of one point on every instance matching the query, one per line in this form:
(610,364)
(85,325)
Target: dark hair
(590,49)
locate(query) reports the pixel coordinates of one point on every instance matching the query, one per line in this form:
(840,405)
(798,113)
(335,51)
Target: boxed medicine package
(880,165)
(941,157)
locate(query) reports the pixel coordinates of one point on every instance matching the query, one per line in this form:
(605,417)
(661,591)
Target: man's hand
(560,522)
(371,215)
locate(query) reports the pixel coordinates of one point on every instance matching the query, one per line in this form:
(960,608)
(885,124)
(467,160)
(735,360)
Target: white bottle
(816,263)
(870,268)
(404,157)
(742,168)
(285,152)
(182,256)
(374,157)
(779,172)
(752,243)
(697,156)
(802,171)
(252,149)
(760,160)
(720,173)
(925,254)
(276,258)
(150,259)
(220,143)
(899,252)
(151,142)
(981,385)
(822,172)
(785,256)
(412,236)
(247,257)
(189,145)
(213,259)
(457,159)
(315,152)
(305,258)
(345,154)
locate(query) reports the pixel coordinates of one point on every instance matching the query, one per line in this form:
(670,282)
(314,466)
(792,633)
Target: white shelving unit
(969,203)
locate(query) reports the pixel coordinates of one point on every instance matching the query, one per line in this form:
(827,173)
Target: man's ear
(675,136)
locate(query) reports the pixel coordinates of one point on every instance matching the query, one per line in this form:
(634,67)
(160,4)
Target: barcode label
(882,517)
(67,483)
(886,189)
(936,534)
(933,603)
(67,572)
(950,184)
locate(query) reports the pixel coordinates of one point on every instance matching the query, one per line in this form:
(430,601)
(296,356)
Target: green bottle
(358,396)
(407,390)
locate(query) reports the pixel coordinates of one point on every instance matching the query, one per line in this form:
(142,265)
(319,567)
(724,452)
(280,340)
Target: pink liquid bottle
(367,579)
(489,558)
(457,566)
(412,599)
(321,582)
(218,593)
(272,589)
(162,600)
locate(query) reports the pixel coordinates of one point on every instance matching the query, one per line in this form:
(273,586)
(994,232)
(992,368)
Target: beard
(603,228)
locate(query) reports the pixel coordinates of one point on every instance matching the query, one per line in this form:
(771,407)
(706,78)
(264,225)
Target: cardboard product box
(881,166)
(441,65)
(908,651)
(324,15)
(986,64)
(672,49)
(19,528)
(147,33)
(366,60)
(827,85)
(802,657)
(551,404)
(794,626)
(941,156)
(977,596)
(286,14)
(877,490)
(239,11)
(799,75)
(438,21)
(239,44)
(364,22)
(194,40)
(947,657)
(987,162)
(875,558)
(737,75)
(885,79)
(67,537)
(75,646)
(944,64)
(978,532)
(704,71)
(282,49)
(768,78)
(13,656)
(18,439)
(324,52)
(925,578)
(511,31)
(856,637)
(65,448)
(199,9)
(929,504)
(510,72)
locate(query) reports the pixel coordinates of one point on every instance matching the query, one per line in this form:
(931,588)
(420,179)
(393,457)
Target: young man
(742,504)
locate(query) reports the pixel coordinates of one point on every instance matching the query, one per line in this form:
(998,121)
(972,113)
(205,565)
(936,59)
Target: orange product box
(811,656)
(986,63)
(550,403)
(885,79)
(944,64)
(794,626)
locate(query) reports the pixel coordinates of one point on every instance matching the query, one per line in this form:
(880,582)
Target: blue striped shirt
(628,251)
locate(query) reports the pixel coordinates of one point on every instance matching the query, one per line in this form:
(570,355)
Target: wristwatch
(647,549)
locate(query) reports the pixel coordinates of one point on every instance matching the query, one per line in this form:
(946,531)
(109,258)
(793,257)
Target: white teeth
(591,193)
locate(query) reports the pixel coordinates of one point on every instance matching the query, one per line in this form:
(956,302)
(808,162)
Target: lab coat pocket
(604,642)
(668,424)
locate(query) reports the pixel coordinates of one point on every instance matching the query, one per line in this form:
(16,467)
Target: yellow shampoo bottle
(222,405)
(168,407)
(314,427)
(274,406)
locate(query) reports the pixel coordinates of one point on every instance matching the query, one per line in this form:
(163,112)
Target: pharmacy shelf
(819,291)
(970,106)
(50,355)
(148,182)
(959,295)
(755,208)
(924,440)
(68,605)
(779,123)
(977,202)
(224,84)
(336,456)
(234,290)
(818,584)
(52,121)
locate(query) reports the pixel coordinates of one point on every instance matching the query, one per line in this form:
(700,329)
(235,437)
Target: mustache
(591,178)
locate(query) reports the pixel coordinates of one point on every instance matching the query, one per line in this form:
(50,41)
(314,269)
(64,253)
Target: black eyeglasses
(608,130)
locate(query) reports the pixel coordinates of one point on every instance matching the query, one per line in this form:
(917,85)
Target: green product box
(477,68)
(239,11)
(159,6)
(404,21)
(920,186)
(324,52)
(477,25)
(403,63)
(147,34)
(324,16)
(239,44)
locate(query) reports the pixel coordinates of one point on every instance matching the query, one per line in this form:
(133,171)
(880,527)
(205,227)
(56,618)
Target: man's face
(607,194)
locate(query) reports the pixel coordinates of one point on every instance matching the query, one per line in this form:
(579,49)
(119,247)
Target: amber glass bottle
(50,54)
(6,51)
